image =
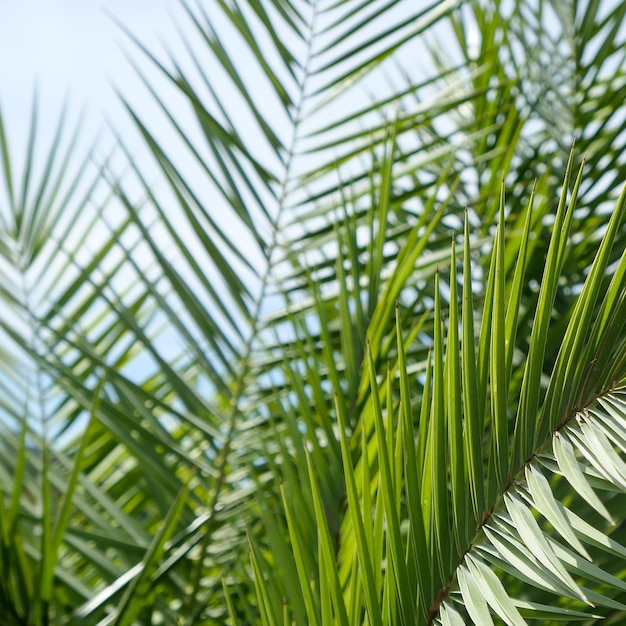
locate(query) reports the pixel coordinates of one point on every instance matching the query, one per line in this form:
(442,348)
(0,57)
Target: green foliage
(443,526)
(350,350)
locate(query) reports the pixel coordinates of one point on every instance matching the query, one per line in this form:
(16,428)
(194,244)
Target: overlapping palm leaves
(446,494)
(233,330)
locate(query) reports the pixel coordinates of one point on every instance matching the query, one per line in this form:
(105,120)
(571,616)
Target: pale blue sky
(73,48)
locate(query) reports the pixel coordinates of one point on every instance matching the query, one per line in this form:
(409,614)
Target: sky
(73,50)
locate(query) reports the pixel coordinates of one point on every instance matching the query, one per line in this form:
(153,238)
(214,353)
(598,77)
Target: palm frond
(460,538)
(182,337)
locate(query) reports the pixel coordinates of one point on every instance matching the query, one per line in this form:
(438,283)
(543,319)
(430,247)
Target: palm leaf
(533,530)
(241,308)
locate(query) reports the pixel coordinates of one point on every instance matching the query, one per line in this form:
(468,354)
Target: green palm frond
(441,518)
(249,381)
